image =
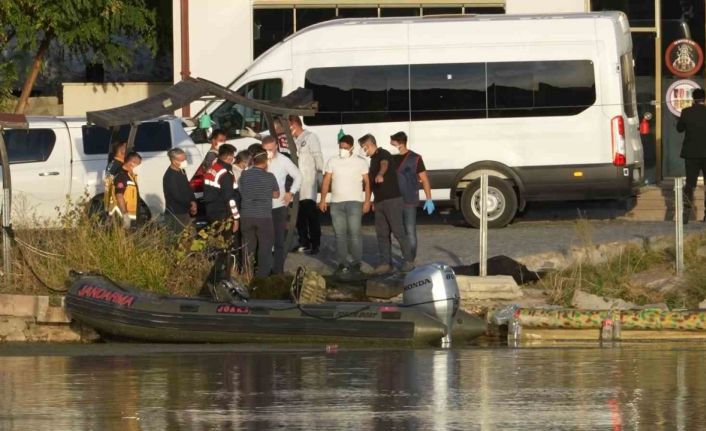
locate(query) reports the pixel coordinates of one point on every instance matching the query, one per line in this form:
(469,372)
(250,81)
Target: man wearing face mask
(220,194)
(411,172)
(179,200)
(127,194)
(280,166)
(218,138)
(346,176)
(388,206)
(311,164)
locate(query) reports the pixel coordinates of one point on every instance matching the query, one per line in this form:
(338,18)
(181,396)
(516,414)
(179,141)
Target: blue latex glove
(429,206)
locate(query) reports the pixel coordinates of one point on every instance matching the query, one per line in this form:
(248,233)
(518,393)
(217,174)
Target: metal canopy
(299,102)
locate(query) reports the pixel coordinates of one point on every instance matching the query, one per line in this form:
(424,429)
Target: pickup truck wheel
(502,203)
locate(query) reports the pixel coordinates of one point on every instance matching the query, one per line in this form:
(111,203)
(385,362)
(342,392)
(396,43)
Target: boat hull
(116,311)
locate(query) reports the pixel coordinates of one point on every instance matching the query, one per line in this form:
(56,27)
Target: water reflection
(655,387)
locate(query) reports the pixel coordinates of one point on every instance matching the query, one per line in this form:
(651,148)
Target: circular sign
(684,58)
(679,95)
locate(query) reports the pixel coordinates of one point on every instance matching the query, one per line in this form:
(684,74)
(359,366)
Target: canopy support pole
(6,212)
(131,138)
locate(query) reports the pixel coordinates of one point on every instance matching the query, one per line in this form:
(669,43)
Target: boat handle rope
(296,289)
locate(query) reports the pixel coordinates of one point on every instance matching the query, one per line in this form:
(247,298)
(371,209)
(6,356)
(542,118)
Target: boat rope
(11,235)
(296,289)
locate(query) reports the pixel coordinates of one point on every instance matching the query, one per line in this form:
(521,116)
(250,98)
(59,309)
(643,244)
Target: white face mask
(395,150)
(270,154)
(183,164)
(136,170)
(344,153)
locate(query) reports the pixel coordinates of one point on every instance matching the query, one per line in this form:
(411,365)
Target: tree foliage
(96,31)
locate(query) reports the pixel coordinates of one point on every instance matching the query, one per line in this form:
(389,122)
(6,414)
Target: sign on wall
(684,58)
(679,95)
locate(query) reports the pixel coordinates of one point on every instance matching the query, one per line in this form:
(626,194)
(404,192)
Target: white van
(543,103)
(63,156)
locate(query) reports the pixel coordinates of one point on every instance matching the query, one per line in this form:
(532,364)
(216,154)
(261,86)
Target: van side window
(27,146)
(232,117)
(360,94)
(152,136)
(374,94)
(447,91)
(540,88)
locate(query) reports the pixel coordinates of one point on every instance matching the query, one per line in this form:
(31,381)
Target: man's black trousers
(308,224)
(693,167)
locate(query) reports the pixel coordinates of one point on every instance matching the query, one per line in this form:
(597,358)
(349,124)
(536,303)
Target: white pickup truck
(63,156)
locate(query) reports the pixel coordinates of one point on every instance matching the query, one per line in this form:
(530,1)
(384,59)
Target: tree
(98,31)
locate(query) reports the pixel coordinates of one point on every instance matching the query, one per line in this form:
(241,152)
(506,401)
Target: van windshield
(628,78)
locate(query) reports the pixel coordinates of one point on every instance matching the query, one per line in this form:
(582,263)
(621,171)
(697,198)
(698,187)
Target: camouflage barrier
(649,319)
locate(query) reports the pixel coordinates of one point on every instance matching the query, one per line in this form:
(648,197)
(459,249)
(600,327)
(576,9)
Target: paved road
(446,239)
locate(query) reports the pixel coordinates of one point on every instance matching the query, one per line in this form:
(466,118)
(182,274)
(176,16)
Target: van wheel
(502,203)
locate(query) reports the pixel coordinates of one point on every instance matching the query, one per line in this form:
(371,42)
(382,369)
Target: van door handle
(48,174)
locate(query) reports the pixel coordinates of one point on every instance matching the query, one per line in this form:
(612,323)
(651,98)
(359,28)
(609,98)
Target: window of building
(399,11)
(447,91)
(441,11)
(232,117)
(270,26)
(641,13)
(366,94)
(27,146)
(357,12)
(540,88)
(151,136)
(484,10)
(307,16)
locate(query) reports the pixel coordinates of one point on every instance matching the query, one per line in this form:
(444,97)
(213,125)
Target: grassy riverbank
(150,257)
(641,274)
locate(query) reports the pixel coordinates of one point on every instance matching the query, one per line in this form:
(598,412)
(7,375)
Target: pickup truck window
(27,146)
(150,137)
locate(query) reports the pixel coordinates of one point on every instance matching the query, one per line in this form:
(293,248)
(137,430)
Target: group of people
(246,195)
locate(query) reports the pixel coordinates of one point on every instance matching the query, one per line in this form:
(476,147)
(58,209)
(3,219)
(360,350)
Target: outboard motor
(433,289)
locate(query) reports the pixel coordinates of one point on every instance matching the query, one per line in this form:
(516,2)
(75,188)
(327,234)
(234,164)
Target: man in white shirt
(346,175)
(280,166)
(311,164)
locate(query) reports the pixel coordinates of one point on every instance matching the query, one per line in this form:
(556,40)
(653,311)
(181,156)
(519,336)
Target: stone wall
(33,318)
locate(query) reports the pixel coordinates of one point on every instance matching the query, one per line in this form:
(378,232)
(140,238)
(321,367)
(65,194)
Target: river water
(146,387)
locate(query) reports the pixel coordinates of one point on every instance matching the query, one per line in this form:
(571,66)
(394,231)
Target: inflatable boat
(429,314)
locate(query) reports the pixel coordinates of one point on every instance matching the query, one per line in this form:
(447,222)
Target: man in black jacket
(179,200)
(693,151)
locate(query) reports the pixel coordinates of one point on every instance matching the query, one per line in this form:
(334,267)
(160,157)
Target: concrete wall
(220,40)
(546,6)
(45,105)
(80,97)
